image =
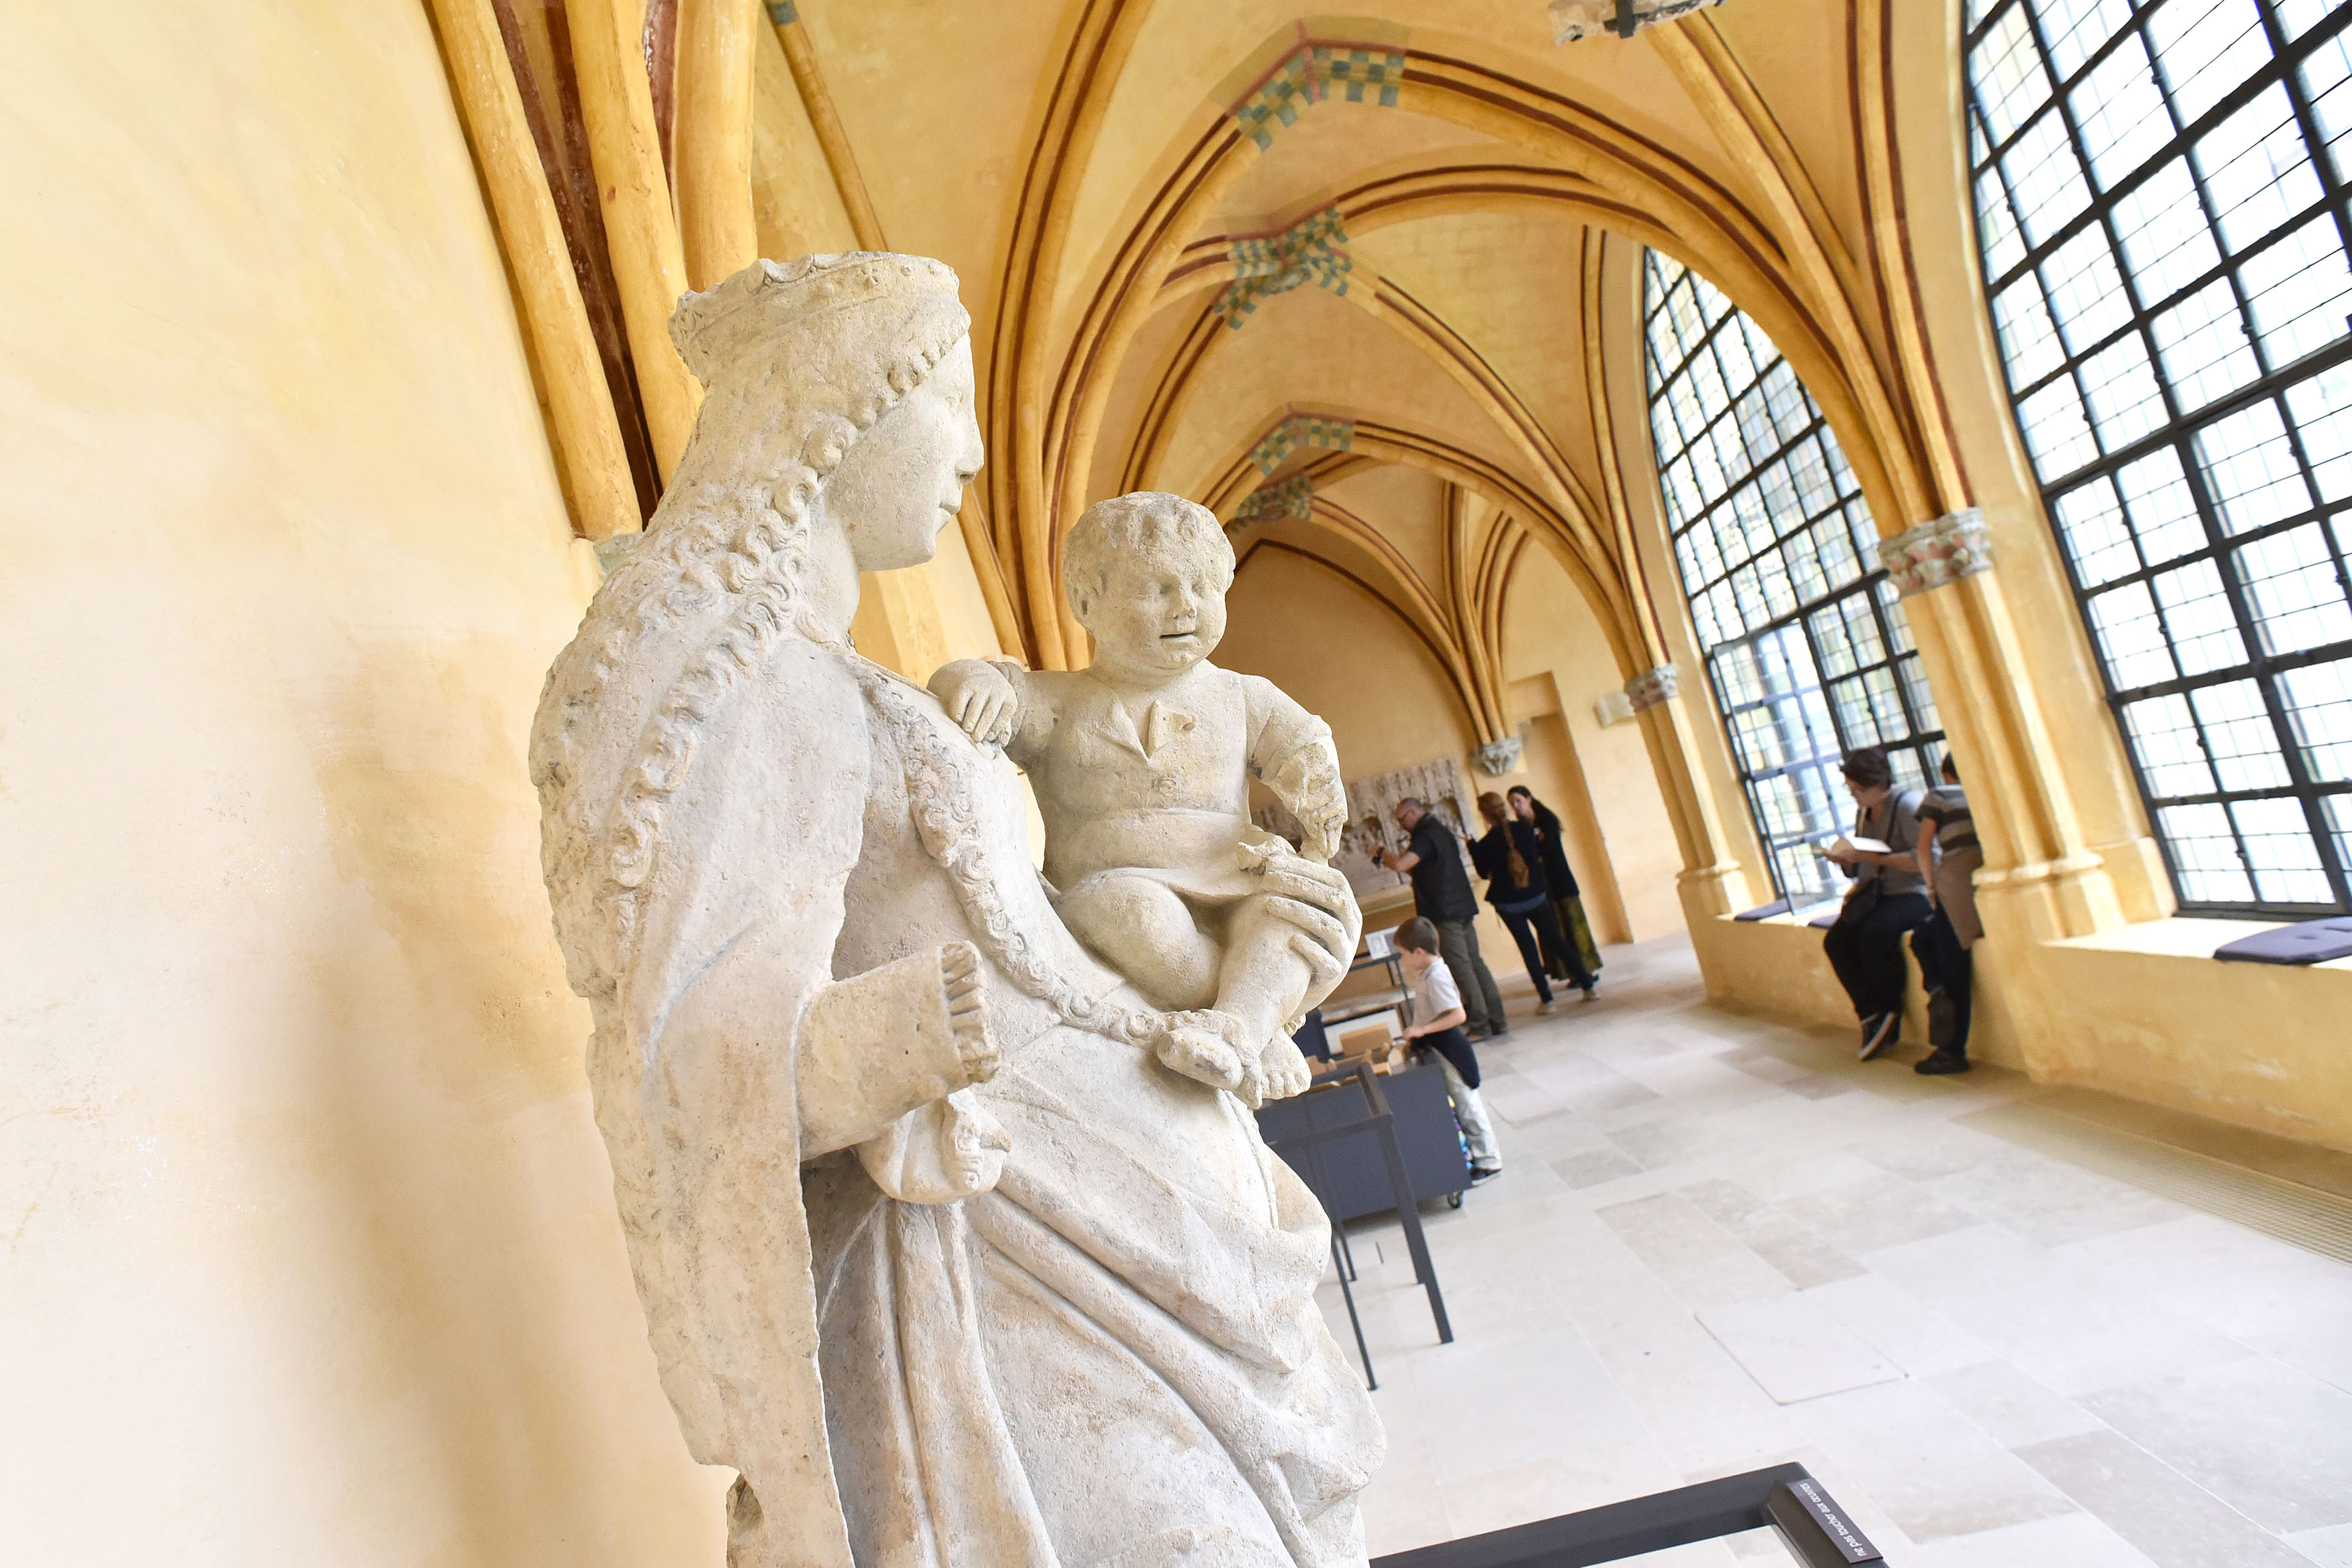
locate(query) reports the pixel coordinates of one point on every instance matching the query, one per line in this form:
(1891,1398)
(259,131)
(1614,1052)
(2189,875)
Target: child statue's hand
(979,698)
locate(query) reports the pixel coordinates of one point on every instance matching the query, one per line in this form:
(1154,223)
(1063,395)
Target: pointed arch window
(2162,207)
(1807,650)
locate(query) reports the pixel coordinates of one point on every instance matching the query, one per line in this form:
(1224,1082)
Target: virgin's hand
(1318,902)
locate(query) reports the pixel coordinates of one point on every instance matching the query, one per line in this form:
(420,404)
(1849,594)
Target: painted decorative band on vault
(1312,251)
(1293,498)
(1301,430)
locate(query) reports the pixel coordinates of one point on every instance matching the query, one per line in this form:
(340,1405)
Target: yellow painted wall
(1559,664)
(1328,645)
(310,1255)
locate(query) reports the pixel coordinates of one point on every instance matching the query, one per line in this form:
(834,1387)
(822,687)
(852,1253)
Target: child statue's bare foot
(1204,1046)
(1285,1068)
(1200,1055)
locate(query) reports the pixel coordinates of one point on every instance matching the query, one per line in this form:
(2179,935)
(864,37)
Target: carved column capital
(1653,687)
(1574,19)
(1497,758)
(1939,551)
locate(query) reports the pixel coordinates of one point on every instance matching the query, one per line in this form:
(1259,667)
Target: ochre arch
(1378,440)
(1712,231)
(1462,699)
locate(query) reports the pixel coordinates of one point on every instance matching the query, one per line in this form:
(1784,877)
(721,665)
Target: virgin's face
(903,479)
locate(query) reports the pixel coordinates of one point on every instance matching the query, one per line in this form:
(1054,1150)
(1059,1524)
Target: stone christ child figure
(1142,763)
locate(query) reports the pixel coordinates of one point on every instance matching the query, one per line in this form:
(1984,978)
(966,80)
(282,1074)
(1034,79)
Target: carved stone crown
(1497,758)
(762,299)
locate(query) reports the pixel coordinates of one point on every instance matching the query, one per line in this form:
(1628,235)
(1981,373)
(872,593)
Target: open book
(1822,847)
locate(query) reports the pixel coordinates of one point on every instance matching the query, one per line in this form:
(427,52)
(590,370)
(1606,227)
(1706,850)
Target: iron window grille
(2161,207)
(1807,650)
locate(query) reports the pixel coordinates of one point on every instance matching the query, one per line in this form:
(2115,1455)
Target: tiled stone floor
(1719,1243)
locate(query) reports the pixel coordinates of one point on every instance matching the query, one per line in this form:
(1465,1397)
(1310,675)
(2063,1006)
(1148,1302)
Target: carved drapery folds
(1939,552)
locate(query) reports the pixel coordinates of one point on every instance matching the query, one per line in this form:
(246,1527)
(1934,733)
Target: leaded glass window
(1807,651)
(2161,192)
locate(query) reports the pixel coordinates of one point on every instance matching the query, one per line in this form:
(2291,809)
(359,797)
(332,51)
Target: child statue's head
(1147,575)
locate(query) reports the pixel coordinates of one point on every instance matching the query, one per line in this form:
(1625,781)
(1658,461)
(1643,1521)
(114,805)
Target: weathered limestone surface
(933,1247)
(1142,765)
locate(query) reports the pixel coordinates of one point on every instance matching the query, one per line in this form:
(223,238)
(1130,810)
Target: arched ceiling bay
(1308,350)
(940,103)
(1337,138)
(1505,280)
(1110,175)
(1406,504)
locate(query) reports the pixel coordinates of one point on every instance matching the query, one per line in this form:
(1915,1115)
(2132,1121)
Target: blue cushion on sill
(2312,942)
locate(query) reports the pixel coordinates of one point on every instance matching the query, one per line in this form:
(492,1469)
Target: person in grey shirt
(1888,898)
(1949,856)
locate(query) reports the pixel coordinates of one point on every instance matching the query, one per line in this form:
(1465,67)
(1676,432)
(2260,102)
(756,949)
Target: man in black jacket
(1441,892)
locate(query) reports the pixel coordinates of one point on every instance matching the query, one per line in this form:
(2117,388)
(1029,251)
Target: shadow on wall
(465,1195)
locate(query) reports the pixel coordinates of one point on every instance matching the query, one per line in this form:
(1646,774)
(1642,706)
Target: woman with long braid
(1512,862)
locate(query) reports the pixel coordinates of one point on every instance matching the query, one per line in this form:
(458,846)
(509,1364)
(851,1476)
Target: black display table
(1354,1180)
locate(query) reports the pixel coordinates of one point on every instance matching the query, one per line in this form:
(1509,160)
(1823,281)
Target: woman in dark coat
(1580,951)
(1511,859)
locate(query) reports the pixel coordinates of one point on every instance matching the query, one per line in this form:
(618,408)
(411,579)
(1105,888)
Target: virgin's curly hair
(799,360)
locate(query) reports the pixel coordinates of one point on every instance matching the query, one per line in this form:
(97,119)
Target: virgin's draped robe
(1115,1356)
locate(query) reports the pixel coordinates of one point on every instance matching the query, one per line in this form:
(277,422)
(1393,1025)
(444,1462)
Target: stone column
(1713,881)
(2046,880)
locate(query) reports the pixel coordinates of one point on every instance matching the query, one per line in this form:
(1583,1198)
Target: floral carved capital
(1653,687)
(1497,758)
(1934,554)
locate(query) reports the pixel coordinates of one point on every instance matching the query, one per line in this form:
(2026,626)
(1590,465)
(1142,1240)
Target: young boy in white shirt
(1437,1024)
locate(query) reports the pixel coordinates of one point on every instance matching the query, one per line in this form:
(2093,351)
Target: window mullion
(2182,429)
(2292,57)
(2184,137)
(2257,667)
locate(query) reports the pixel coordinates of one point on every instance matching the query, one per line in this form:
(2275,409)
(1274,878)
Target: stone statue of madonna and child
(954,1239)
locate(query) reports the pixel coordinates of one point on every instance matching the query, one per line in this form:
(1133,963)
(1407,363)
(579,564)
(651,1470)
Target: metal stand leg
(1318,1181)
(1348,1294)
(1425,1272)
(1381,1124)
